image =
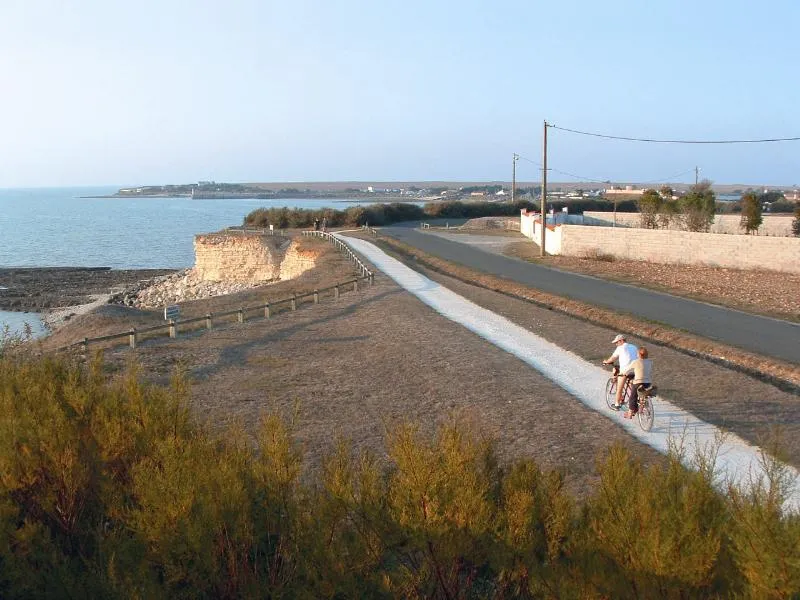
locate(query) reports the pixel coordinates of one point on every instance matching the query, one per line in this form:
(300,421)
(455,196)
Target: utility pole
(514,176)
(544,189)
(696,175)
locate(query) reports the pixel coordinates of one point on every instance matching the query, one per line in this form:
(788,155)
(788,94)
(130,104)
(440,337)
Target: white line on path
(737,460)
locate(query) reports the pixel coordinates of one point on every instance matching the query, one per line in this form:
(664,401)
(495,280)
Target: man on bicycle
(625,353)
(642,371)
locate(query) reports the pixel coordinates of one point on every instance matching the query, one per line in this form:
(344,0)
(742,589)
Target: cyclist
(642,371)
(625,353)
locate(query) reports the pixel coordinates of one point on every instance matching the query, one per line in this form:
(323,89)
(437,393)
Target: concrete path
(762,335)
(737,461)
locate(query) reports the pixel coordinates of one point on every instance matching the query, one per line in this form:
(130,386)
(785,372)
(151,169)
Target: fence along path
(269,308)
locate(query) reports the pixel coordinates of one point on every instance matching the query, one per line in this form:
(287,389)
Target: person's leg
(634,402)
(620,387)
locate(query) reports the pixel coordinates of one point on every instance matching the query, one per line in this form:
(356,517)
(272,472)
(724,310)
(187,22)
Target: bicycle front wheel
(646,414)
(611,393)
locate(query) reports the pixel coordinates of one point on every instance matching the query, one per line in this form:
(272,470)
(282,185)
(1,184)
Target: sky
(111,92)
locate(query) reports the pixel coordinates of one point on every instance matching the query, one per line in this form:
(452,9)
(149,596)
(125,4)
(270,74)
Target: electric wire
(607,180)
(659,141)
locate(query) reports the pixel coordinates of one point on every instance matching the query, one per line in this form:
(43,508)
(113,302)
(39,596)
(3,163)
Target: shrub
(107,489)
(597,254)
(698,207)
(796,222)
(650,206)
(751,213)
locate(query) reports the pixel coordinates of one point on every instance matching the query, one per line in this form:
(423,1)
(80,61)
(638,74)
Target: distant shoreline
(332,197)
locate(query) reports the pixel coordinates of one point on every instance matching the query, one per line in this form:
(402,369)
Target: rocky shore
(38,289)
(176,287)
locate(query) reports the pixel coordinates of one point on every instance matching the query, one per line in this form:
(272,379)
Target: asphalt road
(763,335)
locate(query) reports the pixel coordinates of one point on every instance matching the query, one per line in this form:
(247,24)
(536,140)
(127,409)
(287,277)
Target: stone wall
(237,257)
(773,225)
(509,223)
(665,246)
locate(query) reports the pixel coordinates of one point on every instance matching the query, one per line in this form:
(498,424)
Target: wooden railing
(340,245)
(269,308)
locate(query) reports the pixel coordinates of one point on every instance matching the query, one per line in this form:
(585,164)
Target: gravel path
(737,460)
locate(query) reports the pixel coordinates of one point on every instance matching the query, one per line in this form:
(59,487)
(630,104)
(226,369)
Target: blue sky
(165,91)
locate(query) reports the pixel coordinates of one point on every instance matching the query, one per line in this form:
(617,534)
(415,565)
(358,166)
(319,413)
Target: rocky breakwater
(226,263)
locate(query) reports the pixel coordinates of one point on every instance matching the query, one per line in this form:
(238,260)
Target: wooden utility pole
(514,176)
(696,174)
(543,206)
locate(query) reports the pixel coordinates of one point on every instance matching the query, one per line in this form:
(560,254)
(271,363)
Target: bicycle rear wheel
(646,414)
(611,392)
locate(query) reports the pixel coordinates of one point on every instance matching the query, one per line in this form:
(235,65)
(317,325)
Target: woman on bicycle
(642,371)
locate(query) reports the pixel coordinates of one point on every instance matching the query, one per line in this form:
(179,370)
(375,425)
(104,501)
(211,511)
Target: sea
(49,227)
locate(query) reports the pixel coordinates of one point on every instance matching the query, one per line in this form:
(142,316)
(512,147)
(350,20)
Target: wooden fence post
(294,302)
(372,278)
(267,314)
(85,345)
(336,292)
(173,330)
(355,285)
(240,315)
(209,324)
(132,338)
(316,296)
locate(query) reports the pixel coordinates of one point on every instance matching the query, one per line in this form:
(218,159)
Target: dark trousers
(633,403)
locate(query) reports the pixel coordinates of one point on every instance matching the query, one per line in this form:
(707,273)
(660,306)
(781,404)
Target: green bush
(107,489)
(397,212)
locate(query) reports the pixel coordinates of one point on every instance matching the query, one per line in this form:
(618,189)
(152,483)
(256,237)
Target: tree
(796,222)
(751,213)
(649,207)
(669,210)
(666,192)
(698,207)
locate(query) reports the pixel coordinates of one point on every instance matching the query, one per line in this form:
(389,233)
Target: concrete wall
(773,225)
(238,257)
(664,246)
(531,226)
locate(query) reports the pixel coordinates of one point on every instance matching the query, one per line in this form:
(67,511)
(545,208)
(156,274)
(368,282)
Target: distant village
(489,192)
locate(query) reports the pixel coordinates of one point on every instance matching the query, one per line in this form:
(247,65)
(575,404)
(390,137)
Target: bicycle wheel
(646,414)
(611,393)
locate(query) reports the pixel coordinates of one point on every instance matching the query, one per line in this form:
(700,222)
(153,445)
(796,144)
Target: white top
(625,354)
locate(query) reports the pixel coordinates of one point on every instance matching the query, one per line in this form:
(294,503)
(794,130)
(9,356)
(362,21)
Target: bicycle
(646,413)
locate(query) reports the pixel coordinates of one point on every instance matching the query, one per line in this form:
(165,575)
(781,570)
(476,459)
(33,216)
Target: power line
(586,179)
(657,141)
(607,179)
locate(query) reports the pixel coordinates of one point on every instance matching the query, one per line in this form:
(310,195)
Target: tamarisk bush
(108,488)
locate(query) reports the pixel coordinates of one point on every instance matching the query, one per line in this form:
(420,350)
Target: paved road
(763,335)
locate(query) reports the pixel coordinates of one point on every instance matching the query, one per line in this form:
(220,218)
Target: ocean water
(62,227)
